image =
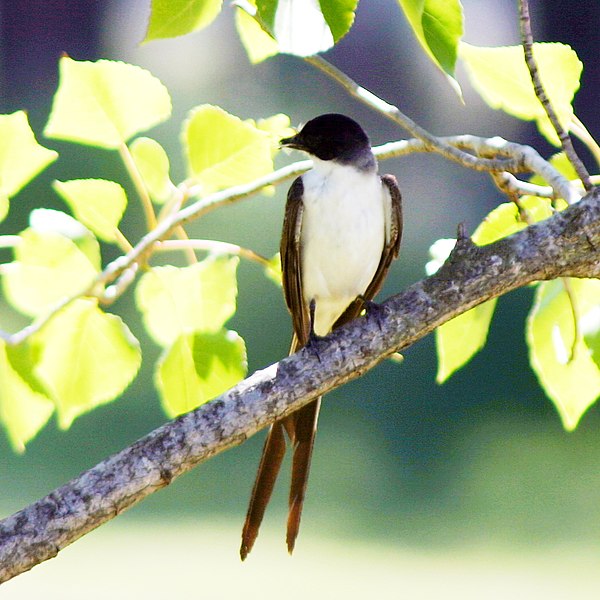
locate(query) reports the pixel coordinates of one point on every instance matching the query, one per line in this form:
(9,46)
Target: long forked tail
(301,427)
(303,440)
(270,463)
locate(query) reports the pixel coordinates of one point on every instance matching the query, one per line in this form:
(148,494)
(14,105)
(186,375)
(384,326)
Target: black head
(331,137)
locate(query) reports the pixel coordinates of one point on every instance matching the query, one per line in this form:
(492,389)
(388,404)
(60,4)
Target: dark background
(480,465)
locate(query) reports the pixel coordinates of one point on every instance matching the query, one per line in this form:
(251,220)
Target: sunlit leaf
(56,222)
(86,358)
(439,251)
(222,150)
(21,157)
(273,269)
(458,340)
(98,203)
(105,103)
(153,164)
(590,328)
(438,26)
(501,77)
(258,43)
(563,364)
(305,28)
(171,18)
(201,297)
(197,367)
(277,126)
(24,409)
(48,267)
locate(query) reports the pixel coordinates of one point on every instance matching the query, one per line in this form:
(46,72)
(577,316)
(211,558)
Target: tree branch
(565,245)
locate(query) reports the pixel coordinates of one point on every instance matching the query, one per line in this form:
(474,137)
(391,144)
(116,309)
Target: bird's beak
(291,142)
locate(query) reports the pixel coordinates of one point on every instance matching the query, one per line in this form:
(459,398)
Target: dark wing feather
(291,263)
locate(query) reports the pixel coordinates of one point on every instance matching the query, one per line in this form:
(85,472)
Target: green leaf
(99,204)
(273,269)
(222,150)
(501,77)
(105,103)
(562,363)
(152,162)
(458,340)
(201,297)
(172,18)
(258,43)
(439,252)
(304,28)
(197,367)
(86,358)
(48,267)
(505,220)
(21,157)
(438,25)
(24,409)
(590,327)
(277,127)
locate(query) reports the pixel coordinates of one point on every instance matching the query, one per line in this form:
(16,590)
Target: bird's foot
(375,311)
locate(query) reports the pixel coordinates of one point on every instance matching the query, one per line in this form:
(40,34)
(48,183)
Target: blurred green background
(470,489)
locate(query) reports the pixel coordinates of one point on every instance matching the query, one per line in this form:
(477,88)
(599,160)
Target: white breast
(342,239)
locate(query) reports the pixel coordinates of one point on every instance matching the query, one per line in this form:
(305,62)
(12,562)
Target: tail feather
(304,438)
(272,456)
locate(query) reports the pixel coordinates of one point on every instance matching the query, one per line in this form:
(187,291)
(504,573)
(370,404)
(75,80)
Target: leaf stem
(139,185)
(580,130)
(540,92)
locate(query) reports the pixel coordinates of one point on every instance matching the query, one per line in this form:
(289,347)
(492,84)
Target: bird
(341,231)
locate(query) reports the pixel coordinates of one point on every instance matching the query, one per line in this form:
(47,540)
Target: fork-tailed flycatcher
(341,231)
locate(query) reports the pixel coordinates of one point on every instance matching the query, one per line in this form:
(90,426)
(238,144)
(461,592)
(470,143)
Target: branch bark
(566,245)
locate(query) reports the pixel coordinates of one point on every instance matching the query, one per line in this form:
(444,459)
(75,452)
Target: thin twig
(540,92)
(213,246)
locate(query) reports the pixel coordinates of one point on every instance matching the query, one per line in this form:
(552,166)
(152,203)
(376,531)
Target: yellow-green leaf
(561,362)
(458,340)
(197,367)
(98,203)
(222,150)
(105,103)
(258,43)
(48,267)
(86,358)
(505,220)
(172,18)
(24,410)
(438,26)
(152,162)
(501,77)
(201,297)
(305,28)
(273,269)
(21,157)
(590,328)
